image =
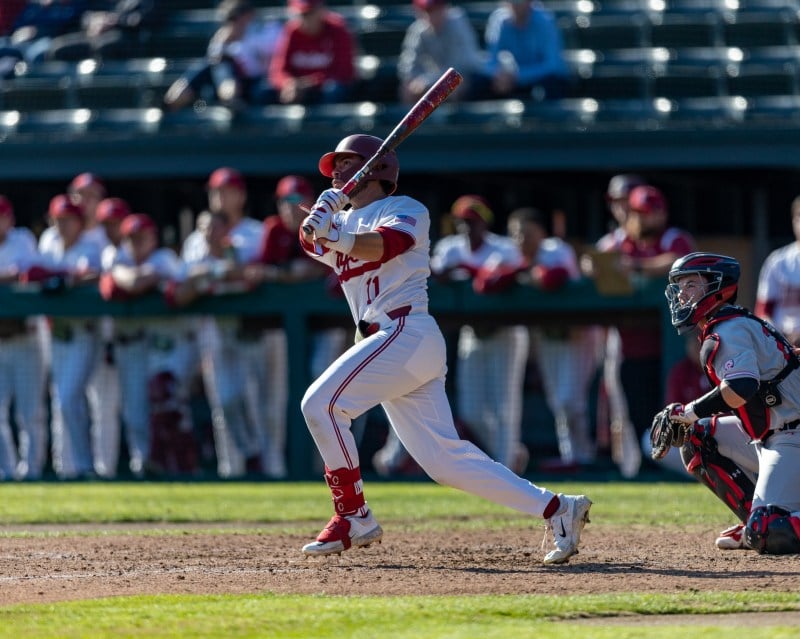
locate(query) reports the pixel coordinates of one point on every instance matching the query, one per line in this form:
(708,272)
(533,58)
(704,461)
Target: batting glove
(331,201)
(319,222)
(681,413)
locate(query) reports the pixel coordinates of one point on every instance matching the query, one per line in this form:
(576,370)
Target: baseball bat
(427,104)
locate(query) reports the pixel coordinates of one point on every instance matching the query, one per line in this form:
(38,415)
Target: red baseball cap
(226,176)
(6,209)
(472,207)
(304,6)
(85,180)
(294,187)
(62,206)
(429,4)
(135,223)
(647,200)
(112,208)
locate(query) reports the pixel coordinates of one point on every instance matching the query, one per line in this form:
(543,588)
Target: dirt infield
(75,565)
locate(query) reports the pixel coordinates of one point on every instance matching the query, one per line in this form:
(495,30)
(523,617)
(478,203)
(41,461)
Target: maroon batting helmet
(365,147)
(722,274)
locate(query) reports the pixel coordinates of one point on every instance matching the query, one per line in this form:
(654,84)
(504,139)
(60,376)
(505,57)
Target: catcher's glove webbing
(666,432)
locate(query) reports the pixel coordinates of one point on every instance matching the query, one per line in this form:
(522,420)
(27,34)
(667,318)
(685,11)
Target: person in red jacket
(314,60)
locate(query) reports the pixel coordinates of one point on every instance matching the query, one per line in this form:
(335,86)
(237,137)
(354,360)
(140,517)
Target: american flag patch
(407,219)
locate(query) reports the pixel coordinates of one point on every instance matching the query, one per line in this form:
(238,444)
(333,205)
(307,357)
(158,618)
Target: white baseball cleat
(566,527)
(731,538)
(342,533)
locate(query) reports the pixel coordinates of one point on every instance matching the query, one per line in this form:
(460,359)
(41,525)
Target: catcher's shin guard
(773,530)
(722,476)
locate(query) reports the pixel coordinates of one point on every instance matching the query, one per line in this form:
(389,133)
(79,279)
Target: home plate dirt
(81,562)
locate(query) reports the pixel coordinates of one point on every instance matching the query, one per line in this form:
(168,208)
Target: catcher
(741,439)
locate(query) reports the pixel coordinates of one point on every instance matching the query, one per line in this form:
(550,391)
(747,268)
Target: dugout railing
(301,308)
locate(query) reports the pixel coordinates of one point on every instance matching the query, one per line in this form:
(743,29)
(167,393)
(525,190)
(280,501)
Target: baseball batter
(379,248)
(740,439)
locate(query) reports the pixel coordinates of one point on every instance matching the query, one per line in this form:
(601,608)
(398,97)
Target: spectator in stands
(160,372)
(234,71)
(441,37)
(315,59)
(491,358)
(37,24)
(113,30)
(778,290)
(22,370)
(525,52)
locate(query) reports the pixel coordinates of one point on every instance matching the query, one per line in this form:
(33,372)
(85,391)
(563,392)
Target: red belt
(370,328)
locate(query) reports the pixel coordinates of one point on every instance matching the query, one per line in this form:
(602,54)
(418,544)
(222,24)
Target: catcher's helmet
(722,275)
(364,146)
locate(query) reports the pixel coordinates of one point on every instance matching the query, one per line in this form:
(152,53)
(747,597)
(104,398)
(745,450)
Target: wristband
(344,243)
(709,404)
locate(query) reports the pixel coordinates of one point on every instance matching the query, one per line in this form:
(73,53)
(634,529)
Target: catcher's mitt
(666,432)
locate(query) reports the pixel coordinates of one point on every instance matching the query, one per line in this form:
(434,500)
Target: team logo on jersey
(729,365)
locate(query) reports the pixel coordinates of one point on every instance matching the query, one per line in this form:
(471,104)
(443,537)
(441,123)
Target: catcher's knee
(773,530)
(720,474)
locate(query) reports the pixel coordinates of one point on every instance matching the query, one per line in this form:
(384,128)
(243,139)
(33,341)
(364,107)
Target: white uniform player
(230,347)
(491,361)
(566,355)
(778,291)
(155,356)
(22,373)
(74,344)
(380,251)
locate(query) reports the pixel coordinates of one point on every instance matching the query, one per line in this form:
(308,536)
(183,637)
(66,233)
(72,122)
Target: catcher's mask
(721,274)
(364,146)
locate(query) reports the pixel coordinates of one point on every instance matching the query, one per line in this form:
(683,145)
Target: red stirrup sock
(347,490)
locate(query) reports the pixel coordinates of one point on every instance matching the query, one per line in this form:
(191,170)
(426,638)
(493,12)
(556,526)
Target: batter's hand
(331,201)
(319,222)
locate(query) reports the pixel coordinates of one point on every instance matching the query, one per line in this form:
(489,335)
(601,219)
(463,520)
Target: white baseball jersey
(454,251)
(245,238)
(84,255)
(779,282)
(401,367)
(18,251)
(374,288)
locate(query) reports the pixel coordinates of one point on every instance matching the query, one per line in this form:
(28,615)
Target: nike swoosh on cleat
(563,532)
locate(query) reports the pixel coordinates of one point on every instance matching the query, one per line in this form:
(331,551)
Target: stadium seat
(758,29)
(380,41)
(783,109)
(701,29)
(377,79)
(611,82)
(605,32)
(34,94)
(210,119)
(125,122)
(676,81)
(719,111)
(51,124)
(106,92)
(754,79)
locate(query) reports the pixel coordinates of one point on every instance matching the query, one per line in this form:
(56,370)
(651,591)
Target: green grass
(282,506)
(420,504)
(323,617)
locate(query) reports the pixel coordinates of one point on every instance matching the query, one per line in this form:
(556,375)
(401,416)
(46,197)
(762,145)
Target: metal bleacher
(637,63)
